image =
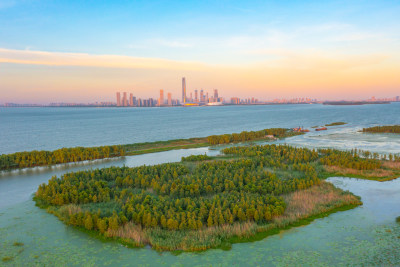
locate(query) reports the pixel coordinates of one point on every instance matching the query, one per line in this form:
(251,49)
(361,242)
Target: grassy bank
(381,175)
(160,146)
(336,123)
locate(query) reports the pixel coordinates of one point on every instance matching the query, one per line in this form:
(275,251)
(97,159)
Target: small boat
(321,129)
(300,130)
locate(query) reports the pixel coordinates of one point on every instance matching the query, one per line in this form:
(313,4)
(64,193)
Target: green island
(336,123)
(202,202)
(383,129)
(77,154)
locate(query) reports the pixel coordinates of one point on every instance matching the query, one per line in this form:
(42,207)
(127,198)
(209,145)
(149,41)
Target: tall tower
(161,99)
(169,99)
(183,90)
(195,96)
(216,94)
(125,100)
(202,95)
(131,100)
(118,99)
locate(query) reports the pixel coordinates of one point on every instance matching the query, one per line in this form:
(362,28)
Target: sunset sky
(68,51)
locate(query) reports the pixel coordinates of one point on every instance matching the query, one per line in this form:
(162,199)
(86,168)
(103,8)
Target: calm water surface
(25,129)
(367,235)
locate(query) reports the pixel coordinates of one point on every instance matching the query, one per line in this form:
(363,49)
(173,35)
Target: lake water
(25,129)
(367,235)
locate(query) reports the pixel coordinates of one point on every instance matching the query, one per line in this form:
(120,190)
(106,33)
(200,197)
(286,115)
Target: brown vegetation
(379,174)
(391,164)
(315,200)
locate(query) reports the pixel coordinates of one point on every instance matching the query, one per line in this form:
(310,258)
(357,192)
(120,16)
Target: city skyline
(261,48)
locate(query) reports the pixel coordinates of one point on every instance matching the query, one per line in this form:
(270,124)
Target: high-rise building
(161,99)
(125,100)
(202,95)
(216,94)
(131,100)
(206,100)
(235,100)
(397,98)
(169,99)
(183,90)
(118,99)
(195,96)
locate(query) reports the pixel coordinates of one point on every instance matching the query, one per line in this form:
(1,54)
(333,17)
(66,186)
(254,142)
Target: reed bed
(378,173)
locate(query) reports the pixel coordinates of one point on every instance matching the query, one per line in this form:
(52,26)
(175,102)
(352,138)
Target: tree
(88,221)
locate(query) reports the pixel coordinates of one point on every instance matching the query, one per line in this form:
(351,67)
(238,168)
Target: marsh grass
(336,123)
(378,174)
(391,164)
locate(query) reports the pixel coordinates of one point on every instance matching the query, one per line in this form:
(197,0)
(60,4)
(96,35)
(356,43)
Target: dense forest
(175,196)
(355,159)
(382,129)
(66,155)
(196,158)
(248,136)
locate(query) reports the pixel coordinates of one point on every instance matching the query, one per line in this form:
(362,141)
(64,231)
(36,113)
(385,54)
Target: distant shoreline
(354,103)
(94,106)
(333,103)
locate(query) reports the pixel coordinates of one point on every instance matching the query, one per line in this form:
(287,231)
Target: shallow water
(367,235)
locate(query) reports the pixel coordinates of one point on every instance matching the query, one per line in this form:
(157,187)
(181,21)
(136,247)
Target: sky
(86,51)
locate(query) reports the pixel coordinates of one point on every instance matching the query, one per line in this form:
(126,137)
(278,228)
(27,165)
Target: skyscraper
(161,99)
(169,99)
(202,95)
(215,94)
(183,90)
(131,100)
(125,100)
(196,99)
(118,99)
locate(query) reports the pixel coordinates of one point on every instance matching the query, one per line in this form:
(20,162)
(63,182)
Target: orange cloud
(87,60)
